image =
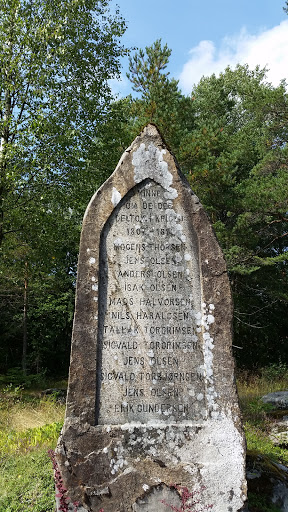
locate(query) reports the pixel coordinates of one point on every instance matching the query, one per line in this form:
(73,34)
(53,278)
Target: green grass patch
(27,483)
(256,415)
(12,442)
(258,441)
(20,410)
(29,426)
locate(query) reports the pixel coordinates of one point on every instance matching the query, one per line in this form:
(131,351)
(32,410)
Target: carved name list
(150,353)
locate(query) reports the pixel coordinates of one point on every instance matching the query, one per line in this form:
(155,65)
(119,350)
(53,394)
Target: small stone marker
(151,398)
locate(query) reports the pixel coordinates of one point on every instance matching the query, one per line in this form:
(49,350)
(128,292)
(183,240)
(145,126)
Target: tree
(147,71)
(238,147)
(236,161)
(231,141)
(56,60)
(160,99)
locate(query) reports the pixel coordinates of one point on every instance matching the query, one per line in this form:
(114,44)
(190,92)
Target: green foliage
(259,504)
(16,377)
(275,372)
(258,422)
(257,440)
(257,411)
(236,161)
(50,304)
(14,442)
(26,483)
(117,133)
(161,101)
(252,386)
(146,69)
(56,61)
(9,396)
(256,415)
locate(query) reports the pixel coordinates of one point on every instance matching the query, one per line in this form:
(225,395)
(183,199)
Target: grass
(258,422)
(30,425)
(26,482)
(257,418)
(20,411)
(252,386)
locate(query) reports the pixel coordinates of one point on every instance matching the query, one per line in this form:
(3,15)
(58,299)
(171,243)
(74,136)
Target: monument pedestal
(132,466)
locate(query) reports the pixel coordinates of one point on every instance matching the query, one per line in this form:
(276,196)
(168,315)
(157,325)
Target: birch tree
(56,60)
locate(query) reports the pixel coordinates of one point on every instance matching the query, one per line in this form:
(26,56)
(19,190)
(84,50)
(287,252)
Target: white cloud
(269,48)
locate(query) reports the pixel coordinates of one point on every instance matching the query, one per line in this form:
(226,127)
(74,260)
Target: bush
(274,372)
(16,377)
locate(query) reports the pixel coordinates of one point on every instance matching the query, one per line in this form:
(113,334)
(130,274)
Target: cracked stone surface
(151,398)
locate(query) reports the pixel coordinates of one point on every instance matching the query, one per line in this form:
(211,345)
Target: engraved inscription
(151,361)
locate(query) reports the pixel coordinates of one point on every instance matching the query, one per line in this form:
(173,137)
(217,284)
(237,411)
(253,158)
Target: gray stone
(280,439)
(279,435)
(280,496)
(157,499)
(268,480)
(279,399)
(151,397)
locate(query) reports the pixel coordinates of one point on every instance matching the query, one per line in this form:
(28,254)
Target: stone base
(131,467)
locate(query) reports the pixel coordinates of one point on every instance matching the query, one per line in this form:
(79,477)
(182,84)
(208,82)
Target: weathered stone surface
(151,398)
(267,481)
(279,438)
(279,399)
(279,431)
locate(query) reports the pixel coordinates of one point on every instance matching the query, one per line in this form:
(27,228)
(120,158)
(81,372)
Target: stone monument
(151,397)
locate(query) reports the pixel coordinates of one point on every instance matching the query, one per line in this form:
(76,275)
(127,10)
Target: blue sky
(206,36)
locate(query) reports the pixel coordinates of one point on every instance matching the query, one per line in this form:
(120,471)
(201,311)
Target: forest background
(62,134)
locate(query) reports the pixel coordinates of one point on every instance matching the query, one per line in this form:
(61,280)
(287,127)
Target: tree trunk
(25,307)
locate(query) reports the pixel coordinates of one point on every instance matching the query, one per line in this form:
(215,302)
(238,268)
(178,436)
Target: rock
(279,399)
(279,434)
(267,482)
